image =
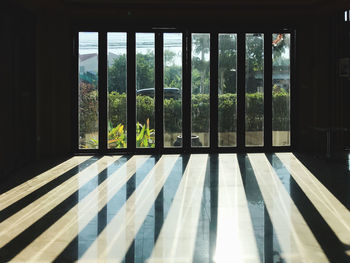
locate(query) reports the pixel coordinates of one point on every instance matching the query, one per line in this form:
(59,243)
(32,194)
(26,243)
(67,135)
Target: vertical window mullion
(159,127)
(240,91)
(102,90)
(293,84)
(214,50)
(131,84)
(186,92)
(268,90)
(75,91)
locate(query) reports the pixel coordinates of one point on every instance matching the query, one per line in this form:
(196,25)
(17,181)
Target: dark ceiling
(178,8)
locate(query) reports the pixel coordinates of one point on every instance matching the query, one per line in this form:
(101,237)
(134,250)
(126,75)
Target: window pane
(88,90)
(227,89)
(172,109)
(145,133)
(254,88)
(116,90)
(200,86)
(281,89)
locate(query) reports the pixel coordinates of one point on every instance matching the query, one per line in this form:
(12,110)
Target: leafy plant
(145,137)
(117,137)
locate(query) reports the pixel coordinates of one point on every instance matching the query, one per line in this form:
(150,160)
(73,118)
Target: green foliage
(92,144)
(145,110)
(172,115)
(254,111)
(116,136)
(144,71)
(200,63)
(117,108)
(117,75)
(280,109)
(172,77)
(88,108)
(200,111)
(227,112)
(117,98)
(145,137)
(227,63)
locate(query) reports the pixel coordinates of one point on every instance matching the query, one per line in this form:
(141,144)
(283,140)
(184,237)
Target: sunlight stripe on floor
(115,240)
(17,223)
(22,190)
(331,209)
(177,237)
(235,235)
(45,248)
(295,237)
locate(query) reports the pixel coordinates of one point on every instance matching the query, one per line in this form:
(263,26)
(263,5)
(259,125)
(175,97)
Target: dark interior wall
(18,95)
(53,74)
(322,95)
(342,105)
(314,72)
(317,89)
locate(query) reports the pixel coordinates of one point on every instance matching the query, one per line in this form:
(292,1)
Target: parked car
(168,93)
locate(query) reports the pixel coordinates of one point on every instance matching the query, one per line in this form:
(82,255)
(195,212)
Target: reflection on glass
(145,133)
(254,88)
(281,89)
(172,108)
(227,89)
(200,86)
(88,90)
(116,45)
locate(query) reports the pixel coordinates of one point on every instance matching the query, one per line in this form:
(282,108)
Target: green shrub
(117,108)
(254,111)
(88,108)
(227,112)
(145,110)
(280,111)
(172,115)
(200,111)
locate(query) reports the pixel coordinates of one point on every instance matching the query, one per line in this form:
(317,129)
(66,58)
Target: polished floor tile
(180,208)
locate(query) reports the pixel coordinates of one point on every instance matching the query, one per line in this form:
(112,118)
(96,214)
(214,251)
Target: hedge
(200,112)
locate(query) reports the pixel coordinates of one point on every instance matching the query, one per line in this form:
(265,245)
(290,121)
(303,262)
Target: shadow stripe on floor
(16,245)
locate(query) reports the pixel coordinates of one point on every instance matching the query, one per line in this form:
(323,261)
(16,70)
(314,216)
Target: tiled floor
(179,208)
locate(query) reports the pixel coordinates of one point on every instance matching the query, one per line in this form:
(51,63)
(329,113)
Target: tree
(200,65)
(117,80)
(117,75)
(172,72)
(201,47)
(88,108)
(254,61)
(144,71)
(227,63)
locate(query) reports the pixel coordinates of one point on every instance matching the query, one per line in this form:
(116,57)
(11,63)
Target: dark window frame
(186,89)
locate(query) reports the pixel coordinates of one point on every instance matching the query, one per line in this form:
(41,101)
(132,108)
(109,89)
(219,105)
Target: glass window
(88,90)
(227,90)
(117,90)
(200,87)
(172,107)
(254,88)
(281,89)
(145,93)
